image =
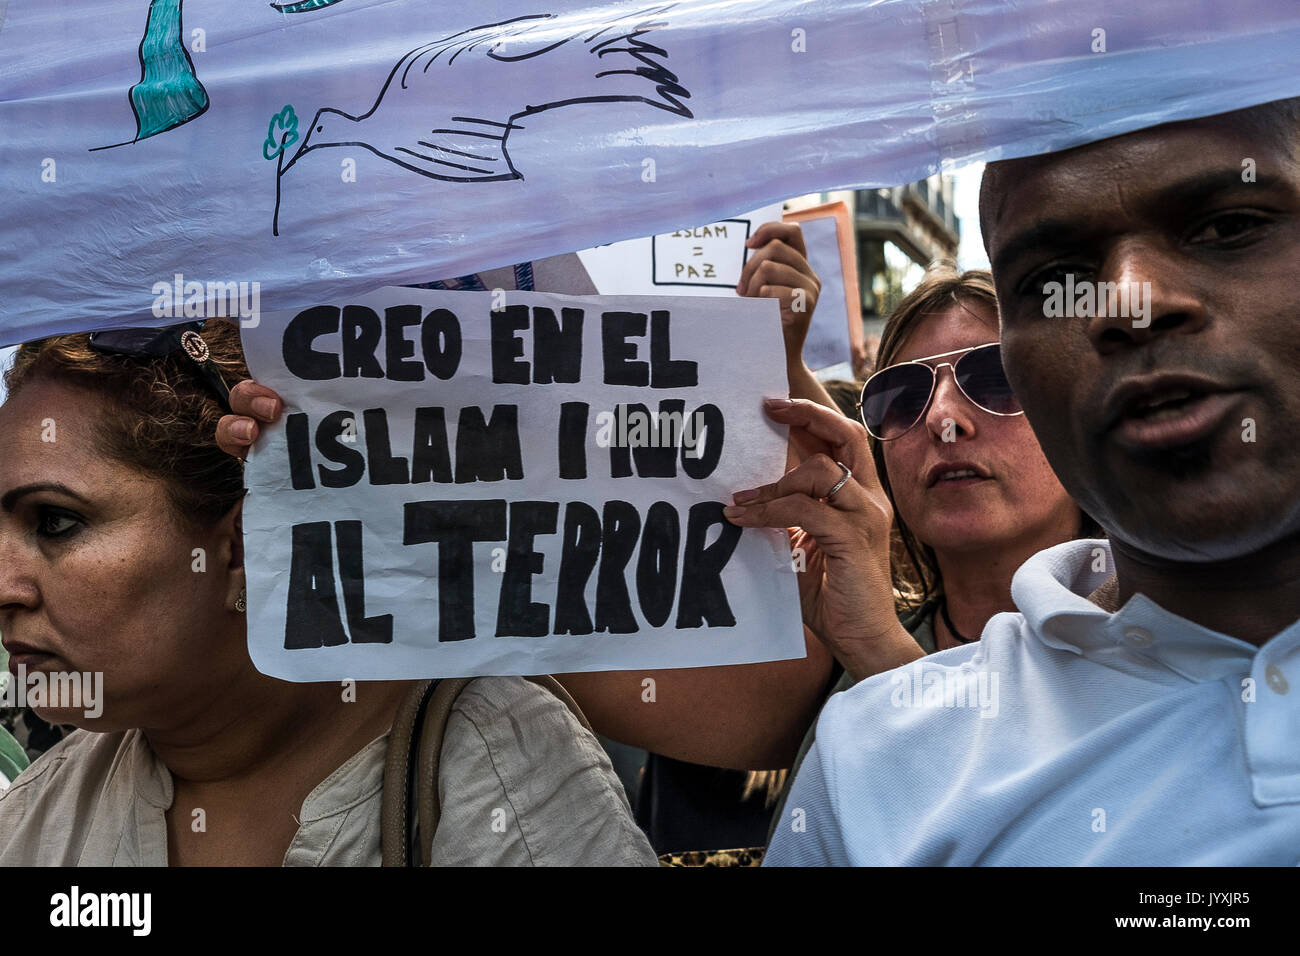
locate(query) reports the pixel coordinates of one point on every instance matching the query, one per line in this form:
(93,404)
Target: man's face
(1181,437)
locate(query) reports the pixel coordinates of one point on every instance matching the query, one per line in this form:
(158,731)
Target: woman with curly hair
(122,553)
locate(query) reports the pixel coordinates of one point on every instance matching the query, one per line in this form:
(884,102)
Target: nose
(1161,299)
(18,589)
(950,415)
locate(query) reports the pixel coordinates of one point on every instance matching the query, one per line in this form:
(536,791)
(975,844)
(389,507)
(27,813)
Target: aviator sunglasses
(896,398)
(160,343)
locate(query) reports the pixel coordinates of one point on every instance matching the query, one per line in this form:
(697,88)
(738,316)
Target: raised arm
(746,717)
(779,269)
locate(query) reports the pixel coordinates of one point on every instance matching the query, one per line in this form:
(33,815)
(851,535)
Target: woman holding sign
(717,716)
(121,555)
(962,475)
(948,459)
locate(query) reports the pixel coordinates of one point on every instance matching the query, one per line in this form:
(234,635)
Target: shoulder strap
(413,762)
(399,777)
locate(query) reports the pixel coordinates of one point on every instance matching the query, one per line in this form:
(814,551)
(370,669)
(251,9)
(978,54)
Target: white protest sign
(470,483)
(695,260)
(706,255)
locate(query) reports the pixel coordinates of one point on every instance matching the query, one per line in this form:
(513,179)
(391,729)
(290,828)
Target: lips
(25,654)
(951,473)
(1167,410)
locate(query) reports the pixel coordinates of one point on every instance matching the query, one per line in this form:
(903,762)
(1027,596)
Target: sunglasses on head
(896,398)
(160,343)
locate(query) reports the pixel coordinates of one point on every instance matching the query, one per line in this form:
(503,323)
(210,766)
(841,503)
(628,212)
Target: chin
(964,531)
(1211,536)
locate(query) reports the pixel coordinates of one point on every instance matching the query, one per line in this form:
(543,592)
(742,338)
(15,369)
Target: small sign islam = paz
(470,483)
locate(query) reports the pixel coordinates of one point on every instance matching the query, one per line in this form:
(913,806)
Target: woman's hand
(847,596)
(780,270)
(252,403)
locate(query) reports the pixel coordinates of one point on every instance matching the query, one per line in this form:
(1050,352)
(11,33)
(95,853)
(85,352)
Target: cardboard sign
(515,483)
(836,326)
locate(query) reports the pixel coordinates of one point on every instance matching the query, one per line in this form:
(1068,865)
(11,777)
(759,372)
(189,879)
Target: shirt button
(1138,636)
(1276,679)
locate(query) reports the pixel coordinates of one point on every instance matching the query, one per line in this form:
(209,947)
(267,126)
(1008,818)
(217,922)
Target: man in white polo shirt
(1152,717)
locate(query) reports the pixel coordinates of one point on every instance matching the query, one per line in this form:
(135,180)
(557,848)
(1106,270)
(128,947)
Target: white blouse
(521,783)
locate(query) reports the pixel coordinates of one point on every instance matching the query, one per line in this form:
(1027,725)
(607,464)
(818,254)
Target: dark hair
(844,393)
(915,567)
(159,417)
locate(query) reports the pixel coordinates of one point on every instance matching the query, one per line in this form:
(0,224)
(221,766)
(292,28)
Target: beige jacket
(522,783)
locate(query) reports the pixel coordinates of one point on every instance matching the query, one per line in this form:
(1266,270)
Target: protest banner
(502,482)
(178,159)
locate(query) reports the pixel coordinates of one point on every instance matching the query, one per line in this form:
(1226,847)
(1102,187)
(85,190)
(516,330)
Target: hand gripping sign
(460,490)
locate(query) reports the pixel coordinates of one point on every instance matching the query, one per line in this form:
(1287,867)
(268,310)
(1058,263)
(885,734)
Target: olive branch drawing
(281,133)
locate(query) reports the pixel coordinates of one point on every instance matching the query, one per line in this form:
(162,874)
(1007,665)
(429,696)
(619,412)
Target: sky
(966,198)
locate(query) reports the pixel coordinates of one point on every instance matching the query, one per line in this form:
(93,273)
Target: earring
(241,605)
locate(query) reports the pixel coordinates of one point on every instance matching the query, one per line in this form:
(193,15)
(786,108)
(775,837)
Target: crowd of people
(1051,601)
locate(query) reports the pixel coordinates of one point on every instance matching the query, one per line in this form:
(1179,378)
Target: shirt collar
(359,778)
(1051,589)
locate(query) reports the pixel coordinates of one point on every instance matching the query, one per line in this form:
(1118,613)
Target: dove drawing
(448,107)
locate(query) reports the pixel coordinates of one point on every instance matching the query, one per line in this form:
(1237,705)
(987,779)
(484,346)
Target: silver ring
(839,484)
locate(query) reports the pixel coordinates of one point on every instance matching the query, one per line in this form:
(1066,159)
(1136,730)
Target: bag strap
(427,757)
(399,776)
(413,763)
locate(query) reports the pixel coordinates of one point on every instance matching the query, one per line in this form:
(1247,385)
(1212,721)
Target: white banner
(166,159)
(474,483)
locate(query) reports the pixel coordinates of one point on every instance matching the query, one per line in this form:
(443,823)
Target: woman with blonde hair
(954,470)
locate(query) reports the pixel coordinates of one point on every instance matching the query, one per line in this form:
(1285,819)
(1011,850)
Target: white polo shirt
(1067,735)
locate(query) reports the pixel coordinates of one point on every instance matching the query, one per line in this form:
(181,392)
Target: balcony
(916,218)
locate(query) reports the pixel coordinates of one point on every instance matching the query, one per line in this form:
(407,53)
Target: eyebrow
(1047,232)
(1193,191)
(11,497)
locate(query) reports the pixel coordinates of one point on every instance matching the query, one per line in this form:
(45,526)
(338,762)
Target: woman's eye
(55,523)
(1228,226)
